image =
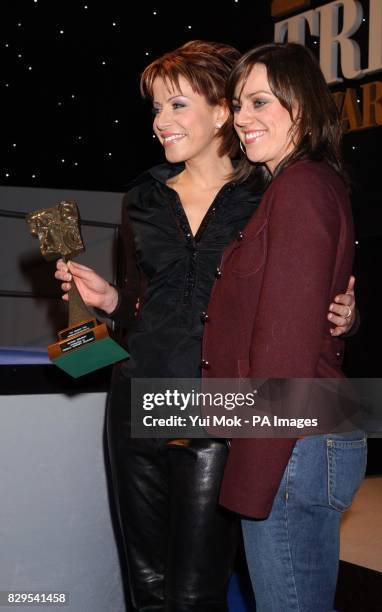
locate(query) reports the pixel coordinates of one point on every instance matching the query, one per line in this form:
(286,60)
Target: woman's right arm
(94,290)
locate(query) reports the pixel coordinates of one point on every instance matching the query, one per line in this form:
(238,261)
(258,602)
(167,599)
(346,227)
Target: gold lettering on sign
(349,110)
(349,107)
(372,104)
(283,7)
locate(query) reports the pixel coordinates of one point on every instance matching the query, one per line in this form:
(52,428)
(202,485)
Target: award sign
(85,345)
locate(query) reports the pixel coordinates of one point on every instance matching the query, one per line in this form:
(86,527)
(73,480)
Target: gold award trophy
(85,345)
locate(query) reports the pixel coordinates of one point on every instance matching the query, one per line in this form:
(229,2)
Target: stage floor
(361,527)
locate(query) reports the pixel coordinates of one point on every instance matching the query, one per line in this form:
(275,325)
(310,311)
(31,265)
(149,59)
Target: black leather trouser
(180,545)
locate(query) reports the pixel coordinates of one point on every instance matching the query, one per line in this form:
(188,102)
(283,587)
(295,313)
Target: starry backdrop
(73,117)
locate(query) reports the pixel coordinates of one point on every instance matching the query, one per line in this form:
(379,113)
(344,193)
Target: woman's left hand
(342,310)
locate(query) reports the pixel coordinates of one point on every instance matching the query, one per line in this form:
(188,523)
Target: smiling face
(185,124)
(263,125)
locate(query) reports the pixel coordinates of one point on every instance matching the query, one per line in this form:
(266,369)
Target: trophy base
(85,348)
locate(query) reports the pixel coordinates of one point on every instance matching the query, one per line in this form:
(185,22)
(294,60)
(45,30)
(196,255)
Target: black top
(172,271)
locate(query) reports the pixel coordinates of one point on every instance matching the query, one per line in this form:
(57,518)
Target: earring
(242,147)
(218,126)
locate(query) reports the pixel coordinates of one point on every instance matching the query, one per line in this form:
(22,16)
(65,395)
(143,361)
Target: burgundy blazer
(267,315)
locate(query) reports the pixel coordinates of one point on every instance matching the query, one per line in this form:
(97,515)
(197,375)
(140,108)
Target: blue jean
(293,555)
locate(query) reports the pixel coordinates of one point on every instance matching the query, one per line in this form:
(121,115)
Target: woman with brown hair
(295,252)
(177,219)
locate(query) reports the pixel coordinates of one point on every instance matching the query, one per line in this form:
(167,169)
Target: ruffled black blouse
(171,271)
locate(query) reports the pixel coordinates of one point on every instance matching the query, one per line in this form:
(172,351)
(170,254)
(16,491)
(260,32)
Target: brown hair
(206,66)
(295,78)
